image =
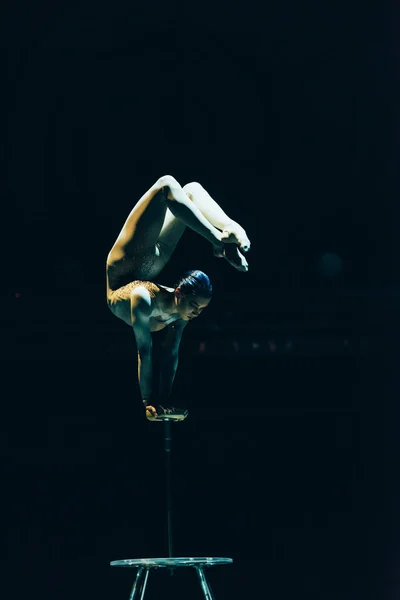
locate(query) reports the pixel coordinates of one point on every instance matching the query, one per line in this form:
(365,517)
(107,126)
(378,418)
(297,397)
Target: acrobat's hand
(166,413)
(151,412)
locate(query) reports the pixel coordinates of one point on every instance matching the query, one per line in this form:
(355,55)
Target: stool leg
(139,585)
(208,595)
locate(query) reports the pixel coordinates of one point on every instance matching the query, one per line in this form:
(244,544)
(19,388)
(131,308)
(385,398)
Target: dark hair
(195,282)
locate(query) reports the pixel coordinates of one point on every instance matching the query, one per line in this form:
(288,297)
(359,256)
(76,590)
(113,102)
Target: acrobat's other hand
(151,412)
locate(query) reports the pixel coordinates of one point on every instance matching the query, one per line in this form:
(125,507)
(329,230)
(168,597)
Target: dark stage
(288,462)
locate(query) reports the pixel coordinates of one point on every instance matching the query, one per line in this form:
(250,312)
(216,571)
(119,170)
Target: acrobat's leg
(174,227)
(182,208)
(215,215)
(231,230)
(143,226)
(171,232)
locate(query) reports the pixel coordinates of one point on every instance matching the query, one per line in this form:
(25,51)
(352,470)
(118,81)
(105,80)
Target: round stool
(145,564)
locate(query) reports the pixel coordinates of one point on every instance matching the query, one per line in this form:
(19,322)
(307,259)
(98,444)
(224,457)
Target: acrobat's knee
(167,181)
(194,187)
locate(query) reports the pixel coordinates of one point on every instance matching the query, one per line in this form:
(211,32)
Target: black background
(286,113)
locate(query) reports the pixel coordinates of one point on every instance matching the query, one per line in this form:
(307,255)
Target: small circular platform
(171,562)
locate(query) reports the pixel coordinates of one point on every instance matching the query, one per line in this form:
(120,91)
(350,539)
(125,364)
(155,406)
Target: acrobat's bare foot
(235,258)
(234,233)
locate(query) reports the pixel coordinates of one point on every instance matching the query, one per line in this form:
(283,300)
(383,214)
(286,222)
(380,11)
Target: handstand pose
(140,252)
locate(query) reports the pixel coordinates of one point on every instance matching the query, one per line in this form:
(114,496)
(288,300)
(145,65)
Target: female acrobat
(145,244)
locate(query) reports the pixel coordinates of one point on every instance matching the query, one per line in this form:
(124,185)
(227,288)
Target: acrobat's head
(192,294)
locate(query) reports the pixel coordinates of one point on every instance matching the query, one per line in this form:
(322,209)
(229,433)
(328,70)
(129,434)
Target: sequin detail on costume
(144,266)
(124,292)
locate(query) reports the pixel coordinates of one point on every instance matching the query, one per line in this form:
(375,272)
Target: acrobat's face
(191,306)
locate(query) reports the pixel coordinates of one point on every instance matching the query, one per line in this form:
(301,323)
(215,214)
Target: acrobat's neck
(168,302)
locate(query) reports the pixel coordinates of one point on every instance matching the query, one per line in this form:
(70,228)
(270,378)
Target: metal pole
(205,586)
(139,585)
(167,447)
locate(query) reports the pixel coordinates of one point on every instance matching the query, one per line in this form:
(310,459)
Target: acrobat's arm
(170,359)
(140,316)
